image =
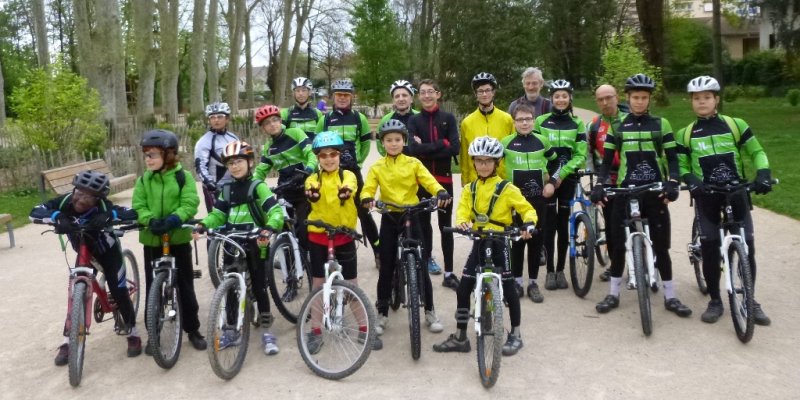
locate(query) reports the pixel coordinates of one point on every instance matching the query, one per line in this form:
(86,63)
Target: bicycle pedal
(197,274)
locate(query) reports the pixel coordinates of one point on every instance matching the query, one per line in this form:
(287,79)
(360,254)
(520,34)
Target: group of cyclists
(518,168)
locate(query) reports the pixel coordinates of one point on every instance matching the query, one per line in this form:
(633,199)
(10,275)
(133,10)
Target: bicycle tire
(164,325)
(581,260)
(490,341)
(600,236)
(288,292)
(132,279)
(413,304)
(77,333)
(741,298)
(696,257)
(227,364)
(216,261)
(329,361)
(642,284)
(398,289)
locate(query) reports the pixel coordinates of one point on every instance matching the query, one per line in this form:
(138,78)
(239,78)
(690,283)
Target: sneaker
(433,267)
(230,337)
(432,321)
(383,320)
(512,346)
(314,342)
(677,307)
(605,276)
(561,280)
(550,281)
(197,340)
(270,343)
(609,303)
(542,259)
(266,319)
(713,312)
(761,318)
(518,288)
(62,357)
(534,294)
(451,282)
(134,346)
(452,344)
(148,349)
(377,343)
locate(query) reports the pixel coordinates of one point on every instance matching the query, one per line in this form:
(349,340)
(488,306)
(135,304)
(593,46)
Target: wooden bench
(60,179)
(6,219)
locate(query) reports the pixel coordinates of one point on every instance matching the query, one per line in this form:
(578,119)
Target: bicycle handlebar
(475,234)
(292,183)
(427,205)
(711,188)
(332,230)
(634,190)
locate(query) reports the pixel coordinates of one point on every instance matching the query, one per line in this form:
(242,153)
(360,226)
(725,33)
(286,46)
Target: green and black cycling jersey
(712,152)
(305,119)
(646,150)
(567,136)
(404,118)
(527,157)
(355,131)
(286,153)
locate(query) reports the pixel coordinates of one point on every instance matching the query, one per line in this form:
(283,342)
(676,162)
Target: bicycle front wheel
(412,284)
(132,278)
(490,341)
(287,291)
(696,257)
(600,236)
(398,289)
(77,333)
(642,284)
(164,322)
(581,259)
(741,297)
(227,338)
(338,348)
(216,261)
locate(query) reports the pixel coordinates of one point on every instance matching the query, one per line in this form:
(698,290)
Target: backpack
(497,190)
(251,203)
(180,176)
(737,135)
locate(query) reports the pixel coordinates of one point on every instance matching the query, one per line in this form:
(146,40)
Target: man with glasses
(208,150)
(532,82)
(302,114)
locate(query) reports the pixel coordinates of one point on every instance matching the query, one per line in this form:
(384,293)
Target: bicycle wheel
(741,298)
(77,333)
(288,292)
(581,258)
(490,341)
(216,261)
(600,241)
(642,284)
(227,343)
(696,257)
(398,289)
(164,321)
(132,278)
(412,284)
(338,349)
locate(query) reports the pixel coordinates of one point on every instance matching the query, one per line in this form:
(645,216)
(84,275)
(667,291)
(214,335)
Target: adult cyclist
(208,163)
(302,115)
(532,82)
(402,94)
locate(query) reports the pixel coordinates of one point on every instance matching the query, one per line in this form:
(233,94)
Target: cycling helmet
(703,83)
(640,82)
(342,86)
(402,83)
(265,112)
(393,126)
(485,146)
(94,182)
(237,148)
(483,78)
(159,138)
(218,108)
(302,81)
(326,140)
(560,84)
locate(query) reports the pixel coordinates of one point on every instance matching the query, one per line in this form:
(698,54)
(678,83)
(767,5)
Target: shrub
(731,93)
(755,92)
(622,59)
(793,97)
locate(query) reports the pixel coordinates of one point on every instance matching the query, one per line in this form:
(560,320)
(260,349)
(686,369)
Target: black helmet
(94,182)
(159,138)
(640,82)
(483,78)
(393,126)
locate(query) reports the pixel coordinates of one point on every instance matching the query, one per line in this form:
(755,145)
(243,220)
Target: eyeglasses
(272,120)
(325,156)
(342,94)
(428,92)
(483,161)
(605,99)
(217,116)
(484,91)
(153,155)
(524,119)
(235,161)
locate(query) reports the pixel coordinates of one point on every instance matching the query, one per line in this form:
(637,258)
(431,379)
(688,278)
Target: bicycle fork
(332,322)
(87,300)
(298,267)
(723,248)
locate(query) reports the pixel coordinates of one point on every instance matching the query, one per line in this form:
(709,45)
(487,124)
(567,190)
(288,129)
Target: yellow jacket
(497,124)
(399,179)
(510,198)
(329,207)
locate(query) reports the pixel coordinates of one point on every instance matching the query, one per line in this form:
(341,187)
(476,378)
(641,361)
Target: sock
(515,331)
(134,332)
(669,290)
(614,286)
(536,281)
(66,339)
(461,334)
(447,274)
(362,328)
(519,280)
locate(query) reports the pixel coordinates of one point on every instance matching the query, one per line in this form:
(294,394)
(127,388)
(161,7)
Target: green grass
(18,203)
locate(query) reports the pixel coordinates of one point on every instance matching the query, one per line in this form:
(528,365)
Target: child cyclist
(164,197)
(87,205)
(526,164)
(710,152)
(488,198)
(399,177)
(246,203)
(330,192)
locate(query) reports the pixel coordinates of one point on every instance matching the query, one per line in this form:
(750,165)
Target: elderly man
(533,83)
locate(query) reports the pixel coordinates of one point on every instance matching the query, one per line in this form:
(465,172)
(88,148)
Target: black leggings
(533,244)
(368,226)
(445,220)
(558,215)
(185,282)
(657,214)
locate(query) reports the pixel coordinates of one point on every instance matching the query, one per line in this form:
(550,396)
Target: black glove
(694,183)
(345,193)
(98,221)
(209,185)
(156,226)
(443,195)
(172,222)
(312,194)
(199,228)
(365,202)
(128,214)
(671,190)
(598,193)
(530,228)
(763,182)
(63,224)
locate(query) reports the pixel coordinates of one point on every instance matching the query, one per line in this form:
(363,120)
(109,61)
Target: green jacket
(157,195)
(284,153)
(236,210)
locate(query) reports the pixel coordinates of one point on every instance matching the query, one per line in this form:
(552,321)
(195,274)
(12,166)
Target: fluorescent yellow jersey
(399,179)
(329,208)
(497,124)
(510,198)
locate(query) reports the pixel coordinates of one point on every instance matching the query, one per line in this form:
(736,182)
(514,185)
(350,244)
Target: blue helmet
(327,140)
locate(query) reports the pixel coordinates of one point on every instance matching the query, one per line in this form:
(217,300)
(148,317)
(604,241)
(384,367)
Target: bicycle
(582,231)
(336,328)
(407,276)
(695,255)
(84,285)
(487,309)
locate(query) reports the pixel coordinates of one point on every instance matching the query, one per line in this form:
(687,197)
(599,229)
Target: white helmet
(218,108)
(703,83)
(302,81)
(486,146)
(402,83)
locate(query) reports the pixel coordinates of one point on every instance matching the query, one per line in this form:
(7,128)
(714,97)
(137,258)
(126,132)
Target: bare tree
(168,22)
(248,55)
(271,21)
(302,12)
(332,50)
(212,63)
(283,55)
(40,33)
(235,16)
(145,54)
(61,14)
(322,15)
(197,75)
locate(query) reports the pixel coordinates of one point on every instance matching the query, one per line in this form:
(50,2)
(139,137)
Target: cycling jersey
(439,141)
(157,194)
(207,156)
(540,106)
(509,199)
(495,123)
(404,118)
(713,153)
(399,179)
(646,151)
(286,153)
(239,207)
(329,208)
(600,126)
(526,162)
(567,137)
(354,129)
(304,119)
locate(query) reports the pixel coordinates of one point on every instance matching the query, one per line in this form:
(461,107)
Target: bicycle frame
(333,271)
(291,234)
(240,276)
(584,203)
(487,275)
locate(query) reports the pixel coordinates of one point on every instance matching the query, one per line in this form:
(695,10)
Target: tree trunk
(717,45)
(303,10)
(168,21)
(248,64)
(40,33)
(197,75)
(2,97)
(212,63)
(145,58)
(651,23)
(283,55)
(237,12)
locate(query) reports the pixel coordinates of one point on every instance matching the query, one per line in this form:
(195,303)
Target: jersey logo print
(722,174)
(531,189)
(643,172)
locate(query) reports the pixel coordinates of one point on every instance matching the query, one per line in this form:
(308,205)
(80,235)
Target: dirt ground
(570,351)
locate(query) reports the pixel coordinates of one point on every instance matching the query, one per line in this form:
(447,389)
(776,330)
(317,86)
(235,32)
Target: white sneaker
(432,321)
(382,322)
(270,344)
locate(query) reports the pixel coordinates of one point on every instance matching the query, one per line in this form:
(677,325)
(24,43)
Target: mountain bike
(487,309)
(336,327)
(582,236)
(408,270)
(84,285)
(696,256)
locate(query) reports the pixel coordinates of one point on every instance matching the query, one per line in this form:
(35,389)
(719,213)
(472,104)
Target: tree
(317,18)
(145,55)
(331,52)
(40,32)
(248,56)
(63,21)
(302,12)
(686,50)
(785,18)
(2,97)
(621,59)
(235,16)
(212,63)
(197,75)
(282,77)
(168,21)
(651,24)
